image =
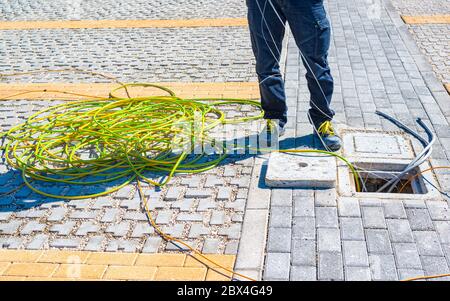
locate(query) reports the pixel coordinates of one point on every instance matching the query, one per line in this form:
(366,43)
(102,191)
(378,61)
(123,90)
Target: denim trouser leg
(267,46)
(311,29)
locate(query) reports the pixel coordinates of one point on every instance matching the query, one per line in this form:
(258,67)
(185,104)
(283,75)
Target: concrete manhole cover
(301,171)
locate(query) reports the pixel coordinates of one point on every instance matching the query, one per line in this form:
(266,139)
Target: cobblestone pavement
(204,54)
(206,210)
(432,39)
(318,235)
(32,10)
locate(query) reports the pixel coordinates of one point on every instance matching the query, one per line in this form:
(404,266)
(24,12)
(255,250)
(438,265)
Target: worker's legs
(311,29)
(267,34)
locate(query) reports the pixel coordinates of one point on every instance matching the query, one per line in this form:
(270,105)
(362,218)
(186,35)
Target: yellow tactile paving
(58,265)
(226,22)
(247,90)
(429,19)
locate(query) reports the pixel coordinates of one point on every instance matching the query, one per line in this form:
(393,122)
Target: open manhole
(373,176)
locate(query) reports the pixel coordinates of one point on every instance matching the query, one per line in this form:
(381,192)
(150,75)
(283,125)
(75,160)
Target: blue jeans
(312,33)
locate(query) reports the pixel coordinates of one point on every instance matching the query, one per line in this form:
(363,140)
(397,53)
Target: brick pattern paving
(318,235)
(205,54)
(70,265)
(28,10)
(433,40)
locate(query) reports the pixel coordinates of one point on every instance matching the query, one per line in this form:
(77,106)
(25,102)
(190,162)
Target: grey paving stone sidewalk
(39,10)
(319,235)
(205,54)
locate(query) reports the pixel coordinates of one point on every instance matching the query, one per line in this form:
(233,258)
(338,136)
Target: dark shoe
(328,137)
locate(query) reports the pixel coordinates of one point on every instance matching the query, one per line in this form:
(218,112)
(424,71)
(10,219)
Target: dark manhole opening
(373,176)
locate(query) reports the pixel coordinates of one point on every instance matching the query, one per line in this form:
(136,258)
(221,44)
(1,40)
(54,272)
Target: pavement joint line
(15,91)
(83,265)
(97,24)
(426,19)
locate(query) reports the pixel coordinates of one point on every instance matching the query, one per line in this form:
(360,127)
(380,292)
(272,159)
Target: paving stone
(135,216)
(378,241)
(102,202)
(205,205)
(190,217)
(152,245)
(373,217)
(370,202)
(328,240)
(277,266)
(414,204)
(428,243)
(122,245)
(303,273)
(63,229)
(233,231)
(87,228)
(303,252)
(193,181)
(31,227)
(304,228)
(439,211)
(183,205)
(95,244)
(357,274)
(325,197)
(164,217)
(351,228)
(175,230)
(419,219)
(173,193)
(10,227)
(141,230)
(79,204)
(4,216)
(243,181)
(348,207)
(37,242)
(279,240)
(383,267)
(394,210)
(198,193)
(400,230)
(198,230)
(232,247)
(57,214)
(125,193)
(330,266)
(443,229)
(84,214)
(224,194)
(212,181)
(406,255)
(217,218)
(31,213)
(281,197)
(111,215)
(281,217)
(174,246)
(11,242)
(118,230)
(68,243)
(132,204)
(326,217)
(211,246)
(237,218)
(410,273)
(355,253)
(304,206)
(433,265)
